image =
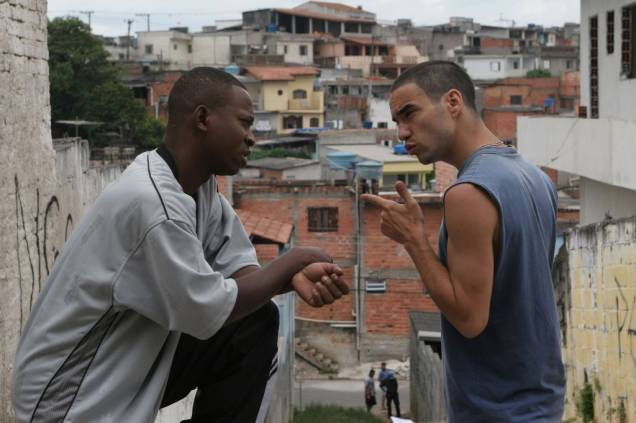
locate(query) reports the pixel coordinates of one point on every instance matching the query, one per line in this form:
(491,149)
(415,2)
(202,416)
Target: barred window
(322,219)
(628,56)
(610,32)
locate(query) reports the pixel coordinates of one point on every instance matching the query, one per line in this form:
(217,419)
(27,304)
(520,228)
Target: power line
(88,13)
(147,16)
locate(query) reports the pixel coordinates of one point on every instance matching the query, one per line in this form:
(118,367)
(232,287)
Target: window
(628,55)
(322,219)
(292,122)
(285,49)
(516,100)
(189,48)
(148,48)
(546,64)
(515,64)
(303,50)
(174,46)
(594,67)
(495,66)
(610,32)
(279,92)
(383,125)
(568,64)
(299,94)
(314,122)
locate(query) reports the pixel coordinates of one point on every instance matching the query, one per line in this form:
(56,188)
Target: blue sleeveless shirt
(512,371)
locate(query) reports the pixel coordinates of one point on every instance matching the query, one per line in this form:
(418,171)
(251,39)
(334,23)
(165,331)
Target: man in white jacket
(158,290)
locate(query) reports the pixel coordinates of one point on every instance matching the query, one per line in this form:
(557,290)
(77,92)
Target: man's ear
(455,102)
(201,115)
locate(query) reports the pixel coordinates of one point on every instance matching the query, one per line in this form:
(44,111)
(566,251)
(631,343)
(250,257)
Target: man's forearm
(257,286)
(438,282)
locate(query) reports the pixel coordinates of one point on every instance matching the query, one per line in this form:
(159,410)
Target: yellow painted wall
(406,167)
(600,316)
(272,102)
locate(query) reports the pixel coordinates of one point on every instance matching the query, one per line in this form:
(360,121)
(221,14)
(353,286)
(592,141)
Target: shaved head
(200,86)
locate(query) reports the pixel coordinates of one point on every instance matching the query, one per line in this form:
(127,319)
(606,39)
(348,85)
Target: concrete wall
(497,67)
(617,95)
(27,172)
(163,48)
(379,111)
(211,49)
(600,201)
(599,149)
(595,282)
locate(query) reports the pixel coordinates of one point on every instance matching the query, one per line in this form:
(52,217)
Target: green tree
(85,85)
(538,73)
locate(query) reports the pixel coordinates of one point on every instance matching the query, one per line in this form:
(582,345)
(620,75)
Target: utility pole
(147,16)
(88,13)
(129,22)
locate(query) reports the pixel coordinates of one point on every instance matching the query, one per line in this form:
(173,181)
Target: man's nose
(403,132)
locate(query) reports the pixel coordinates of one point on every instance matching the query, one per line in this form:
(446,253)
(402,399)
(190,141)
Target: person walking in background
(369,391)
(389,386)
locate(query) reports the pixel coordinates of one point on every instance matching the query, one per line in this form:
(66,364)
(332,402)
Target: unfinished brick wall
(503,123)
(445,175)
(380,255)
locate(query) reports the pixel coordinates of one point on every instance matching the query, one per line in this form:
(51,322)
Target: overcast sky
(109,17)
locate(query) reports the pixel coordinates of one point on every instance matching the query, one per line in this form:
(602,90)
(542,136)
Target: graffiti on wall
(37,243)
(625,321)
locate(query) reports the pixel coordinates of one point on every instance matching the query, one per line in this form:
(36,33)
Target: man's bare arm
(463,290)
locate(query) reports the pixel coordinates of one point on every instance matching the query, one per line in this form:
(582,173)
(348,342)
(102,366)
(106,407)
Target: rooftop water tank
(341,160)
(369,169)
(399,149)
(232,69)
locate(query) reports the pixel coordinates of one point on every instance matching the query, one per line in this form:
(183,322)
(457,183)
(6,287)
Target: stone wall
(595,283)
(27,174)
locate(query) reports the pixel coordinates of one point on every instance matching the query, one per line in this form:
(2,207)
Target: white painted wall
(600,150)
(293,51)
(489,67)
(305,173)
(599,200)
(211,49)
(617,95)
(379,111)
(164,43)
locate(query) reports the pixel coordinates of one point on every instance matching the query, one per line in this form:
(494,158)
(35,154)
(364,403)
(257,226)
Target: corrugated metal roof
(427,321)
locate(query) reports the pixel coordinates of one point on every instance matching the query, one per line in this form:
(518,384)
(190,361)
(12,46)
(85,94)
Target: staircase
(314,358)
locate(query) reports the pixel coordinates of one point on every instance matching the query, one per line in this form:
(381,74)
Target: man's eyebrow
(407,107)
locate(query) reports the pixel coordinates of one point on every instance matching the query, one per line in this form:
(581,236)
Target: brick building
(372,322)
(506,99)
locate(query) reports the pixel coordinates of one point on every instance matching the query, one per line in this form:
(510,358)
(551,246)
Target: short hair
(436,78)
(202,85)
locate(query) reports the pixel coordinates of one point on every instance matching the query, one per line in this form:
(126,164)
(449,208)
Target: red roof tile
(264,227)
(279,73)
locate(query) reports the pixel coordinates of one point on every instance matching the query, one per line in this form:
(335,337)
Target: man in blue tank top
(492,278)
